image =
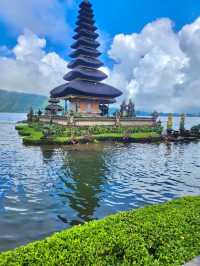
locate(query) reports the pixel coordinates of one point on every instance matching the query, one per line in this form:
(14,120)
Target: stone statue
(170,124)
(122,108)
(117,119)
(182,123)
(155,115)
(131,109)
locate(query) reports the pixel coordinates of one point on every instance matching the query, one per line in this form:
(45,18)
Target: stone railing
(99,121)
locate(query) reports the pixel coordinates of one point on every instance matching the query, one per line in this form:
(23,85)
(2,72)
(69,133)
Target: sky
(151,48)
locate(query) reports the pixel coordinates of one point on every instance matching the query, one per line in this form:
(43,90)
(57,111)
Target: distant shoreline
(137,113)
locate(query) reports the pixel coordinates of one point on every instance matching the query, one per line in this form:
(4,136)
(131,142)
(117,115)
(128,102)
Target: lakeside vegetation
(16,102)
(159,235)
(39,133)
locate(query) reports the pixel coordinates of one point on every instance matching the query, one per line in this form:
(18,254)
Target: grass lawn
(159,235)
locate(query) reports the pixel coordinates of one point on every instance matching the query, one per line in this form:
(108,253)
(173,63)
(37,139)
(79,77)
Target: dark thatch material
(87,27)
(87,13)
(85,51)
(86,62)
(85,88)
(85,42)
(85,4)
(53,100)
(54,108)
(85,78)
(85,73)
(86,33)
(86,19)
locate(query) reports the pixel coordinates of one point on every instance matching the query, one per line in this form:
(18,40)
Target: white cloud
(32,70)
(44,17)
(158,67)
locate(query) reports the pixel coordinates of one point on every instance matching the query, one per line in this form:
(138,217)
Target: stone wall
(99,121)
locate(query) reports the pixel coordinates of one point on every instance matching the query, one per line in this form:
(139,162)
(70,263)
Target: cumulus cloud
(158,67)
(31,69)
(43,17)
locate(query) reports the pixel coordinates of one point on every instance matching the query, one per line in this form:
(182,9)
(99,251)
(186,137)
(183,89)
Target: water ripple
(43,190)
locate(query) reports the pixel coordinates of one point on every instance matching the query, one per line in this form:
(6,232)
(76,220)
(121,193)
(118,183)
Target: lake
(47,189)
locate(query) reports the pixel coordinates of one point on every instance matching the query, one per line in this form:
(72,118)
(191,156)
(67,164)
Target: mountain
(16,102)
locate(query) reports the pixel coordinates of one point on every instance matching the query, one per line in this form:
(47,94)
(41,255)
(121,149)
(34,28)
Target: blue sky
(113,17)
(151,48)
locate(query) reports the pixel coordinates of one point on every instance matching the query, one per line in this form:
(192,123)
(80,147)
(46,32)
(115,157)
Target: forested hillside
(20,102)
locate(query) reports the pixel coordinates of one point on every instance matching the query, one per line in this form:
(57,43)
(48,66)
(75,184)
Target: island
(84,116)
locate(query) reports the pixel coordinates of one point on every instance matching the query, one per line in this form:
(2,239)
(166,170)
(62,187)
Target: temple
(84,92)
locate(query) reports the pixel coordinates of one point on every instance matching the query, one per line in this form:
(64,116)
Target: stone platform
(99,121)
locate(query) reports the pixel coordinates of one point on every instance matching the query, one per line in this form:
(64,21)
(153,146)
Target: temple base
(100,121)
(87,106)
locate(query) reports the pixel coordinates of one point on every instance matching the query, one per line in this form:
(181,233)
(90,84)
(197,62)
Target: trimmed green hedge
(33,134)
(167,235)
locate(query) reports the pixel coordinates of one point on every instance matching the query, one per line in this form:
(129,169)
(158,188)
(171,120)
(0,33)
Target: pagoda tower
(84,89)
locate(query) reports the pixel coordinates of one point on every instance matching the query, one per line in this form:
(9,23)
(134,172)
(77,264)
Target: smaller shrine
(127,109)
(53,108)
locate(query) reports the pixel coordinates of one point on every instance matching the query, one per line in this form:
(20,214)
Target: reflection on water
(83,177)
(45,189)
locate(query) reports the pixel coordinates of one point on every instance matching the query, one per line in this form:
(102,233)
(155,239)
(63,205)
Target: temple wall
(99,121)
(89,107)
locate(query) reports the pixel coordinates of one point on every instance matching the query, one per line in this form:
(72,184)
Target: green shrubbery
(31,135)
(97,130)
(39,133)
(196,129)
(160,235)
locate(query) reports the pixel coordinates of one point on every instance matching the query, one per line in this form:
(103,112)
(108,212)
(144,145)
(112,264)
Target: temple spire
(84,88)
(86,63)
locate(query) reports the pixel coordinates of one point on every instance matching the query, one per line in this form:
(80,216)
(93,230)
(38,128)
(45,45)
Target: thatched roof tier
(85,42)
(53,100)
(85,61)
(85,77)
(85,51)
(86,19)
(87,88)
(85,4)
(86,33)
(87,13)
(54,108)
(87,26)
(85,73)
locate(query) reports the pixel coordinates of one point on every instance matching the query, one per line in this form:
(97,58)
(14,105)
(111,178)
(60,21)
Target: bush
(57,134)
(32,134)
(165,235)
(195,129)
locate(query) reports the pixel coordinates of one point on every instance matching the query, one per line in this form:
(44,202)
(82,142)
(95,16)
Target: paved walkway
(195,262)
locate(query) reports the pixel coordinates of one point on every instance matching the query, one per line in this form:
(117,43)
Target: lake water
(46,189)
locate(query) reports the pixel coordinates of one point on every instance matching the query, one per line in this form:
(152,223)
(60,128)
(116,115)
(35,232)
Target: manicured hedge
(33,134)
(167,234)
